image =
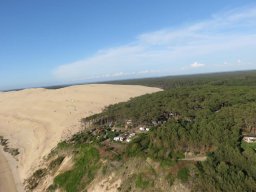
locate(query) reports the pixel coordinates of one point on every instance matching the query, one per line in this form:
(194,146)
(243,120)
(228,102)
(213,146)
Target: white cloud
(168,49)
(196,65)
(125,74)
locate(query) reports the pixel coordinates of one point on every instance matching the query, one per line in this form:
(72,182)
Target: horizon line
(59,86)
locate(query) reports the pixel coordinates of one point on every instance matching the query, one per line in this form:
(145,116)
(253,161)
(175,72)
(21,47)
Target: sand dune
(7,182)
(35,120)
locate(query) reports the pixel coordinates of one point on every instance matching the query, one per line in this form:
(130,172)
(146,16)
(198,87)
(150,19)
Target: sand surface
(35,120)
(7,182)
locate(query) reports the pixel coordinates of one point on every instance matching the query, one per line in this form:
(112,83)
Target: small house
(249,139)
(116,138)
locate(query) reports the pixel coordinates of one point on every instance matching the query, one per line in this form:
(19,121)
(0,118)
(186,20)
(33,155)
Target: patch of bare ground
(179,187)
(109,183)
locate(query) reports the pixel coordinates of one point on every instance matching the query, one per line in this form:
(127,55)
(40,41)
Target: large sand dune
(35,120)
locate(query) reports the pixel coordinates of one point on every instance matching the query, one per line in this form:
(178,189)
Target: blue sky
(47,42)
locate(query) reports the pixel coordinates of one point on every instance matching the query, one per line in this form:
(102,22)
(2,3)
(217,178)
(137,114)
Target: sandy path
(197,158)
(35,120)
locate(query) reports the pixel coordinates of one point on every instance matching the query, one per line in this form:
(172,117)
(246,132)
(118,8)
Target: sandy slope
(34,120)
(7,182)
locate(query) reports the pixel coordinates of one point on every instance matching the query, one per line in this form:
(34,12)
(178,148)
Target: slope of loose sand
(7,182)
(35,120)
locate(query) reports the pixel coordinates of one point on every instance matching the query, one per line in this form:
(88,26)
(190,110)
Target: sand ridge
(35,120)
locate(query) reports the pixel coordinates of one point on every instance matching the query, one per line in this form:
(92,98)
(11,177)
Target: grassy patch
(142,182)
(178,155)
(85,167)
(63,145)
(183,174)
(245,145)
(170,179)
(167,163)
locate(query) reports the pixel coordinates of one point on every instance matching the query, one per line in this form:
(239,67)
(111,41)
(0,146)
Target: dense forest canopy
(225,78)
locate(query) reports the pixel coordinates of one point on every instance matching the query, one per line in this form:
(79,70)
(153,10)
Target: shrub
(85,167)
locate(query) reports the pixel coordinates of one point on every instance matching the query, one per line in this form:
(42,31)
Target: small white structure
(250,139)
(128,122)
(118,139)
(129,138)
(143,129)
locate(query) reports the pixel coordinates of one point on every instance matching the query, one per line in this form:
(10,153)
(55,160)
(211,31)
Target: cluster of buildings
(127,136)
(124,137)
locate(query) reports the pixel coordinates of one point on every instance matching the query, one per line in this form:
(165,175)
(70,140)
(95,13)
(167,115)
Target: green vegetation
(239,78)
(248,146)
(86,165)
(142,182)
(183,174)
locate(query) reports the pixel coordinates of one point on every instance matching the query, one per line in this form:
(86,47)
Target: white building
(249,139)
(118,138)
(143,129)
